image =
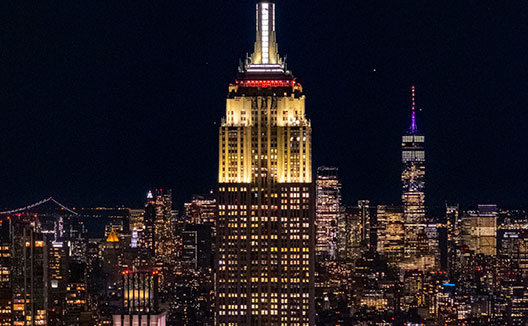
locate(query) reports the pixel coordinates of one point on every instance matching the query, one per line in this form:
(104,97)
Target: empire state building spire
(266,49)
(265,57)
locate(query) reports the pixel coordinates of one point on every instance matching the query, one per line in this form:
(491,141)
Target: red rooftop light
(266,83)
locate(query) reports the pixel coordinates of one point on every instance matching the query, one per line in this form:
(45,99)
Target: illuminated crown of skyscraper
(265,57)
(112,237)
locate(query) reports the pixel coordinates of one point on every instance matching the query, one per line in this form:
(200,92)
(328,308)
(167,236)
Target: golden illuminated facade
(479,231)
(140,291)
(140,299)
(265,225)
(391,233)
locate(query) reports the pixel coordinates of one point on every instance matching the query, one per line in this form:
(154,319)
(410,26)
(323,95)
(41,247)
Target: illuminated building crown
(112,237)
(265,57)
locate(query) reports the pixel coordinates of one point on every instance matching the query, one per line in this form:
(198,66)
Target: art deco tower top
(265,57)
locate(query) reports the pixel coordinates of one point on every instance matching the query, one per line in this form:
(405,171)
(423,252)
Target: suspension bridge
(28,207)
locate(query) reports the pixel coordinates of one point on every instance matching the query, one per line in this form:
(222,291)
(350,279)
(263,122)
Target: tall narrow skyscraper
(413,197)
(24,271)
(391,234)
(265,226)
(157,236)
(327,214)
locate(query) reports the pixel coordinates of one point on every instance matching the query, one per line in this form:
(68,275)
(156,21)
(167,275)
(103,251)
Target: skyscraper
(265,226)
(202,209)
(197,246)
(327,214)
(58,270)
(112,254)
(27,271)
(140,300)
(365,224)
(6,293)
(454,229)
(413,196)
(147,239)
(136,219)
(157,236)
(479,230)
(390,233)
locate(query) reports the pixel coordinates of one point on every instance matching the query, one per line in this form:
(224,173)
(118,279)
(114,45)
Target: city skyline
(104,105)
(300,226)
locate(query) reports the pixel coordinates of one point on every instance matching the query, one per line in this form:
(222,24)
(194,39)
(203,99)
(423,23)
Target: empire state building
(265,227)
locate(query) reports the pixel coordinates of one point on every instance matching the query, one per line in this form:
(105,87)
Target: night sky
(102,100)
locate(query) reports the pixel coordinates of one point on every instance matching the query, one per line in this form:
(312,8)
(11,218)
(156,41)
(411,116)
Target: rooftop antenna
(414,128)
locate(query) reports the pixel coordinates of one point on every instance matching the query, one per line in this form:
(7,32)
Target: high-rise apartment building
(58,272)
(265,227)
(365,217)
(28,271)
(360,231)
(147,239)
(6,296)
(76,312)
(454,232)
(391,233)
(165,247)
(197,246)
(157,236)
(479,230)
(75,303)
(328,214)
(136,219)
(202,209)
(514,246)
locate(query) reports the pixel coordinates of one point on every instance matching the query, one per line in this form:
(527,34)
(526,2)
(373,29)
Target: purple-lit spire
(414,128)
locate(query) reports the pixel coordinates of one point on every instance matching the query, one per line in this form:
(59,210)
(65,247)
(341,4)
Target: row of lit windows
(410,139)
(37,244)
(233,189)
(284,296)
